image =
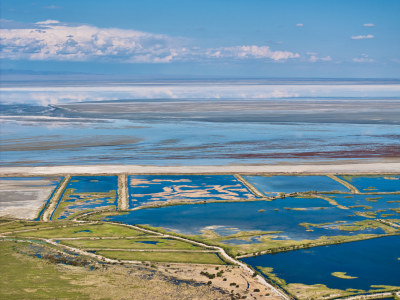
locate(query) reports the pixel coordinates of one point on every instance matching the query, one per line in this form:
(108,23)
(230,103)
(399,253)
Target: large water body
(373,262)
(283,215)
(198,123)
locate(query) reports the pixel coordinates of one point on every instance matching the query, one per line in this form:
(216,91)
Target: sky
(206,38)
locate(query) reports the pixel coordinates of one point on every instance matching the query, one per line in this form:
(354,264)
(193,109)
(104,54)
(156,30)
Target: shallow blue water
(185,142)
(148,242)
(377,202)
(375,183)
(374,262)
(148,188)
(228,218)
(88,184)
(290,184)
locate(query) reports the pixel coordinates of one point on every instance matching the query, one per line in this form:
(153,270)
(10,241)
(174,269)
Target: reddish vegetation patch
(384,151)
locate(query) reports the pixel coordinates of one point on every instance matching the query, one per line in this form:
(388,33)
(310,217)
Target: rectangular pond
(24,197)
(87,193)
(163,188)
(369,262)
(270,185)
(374,183)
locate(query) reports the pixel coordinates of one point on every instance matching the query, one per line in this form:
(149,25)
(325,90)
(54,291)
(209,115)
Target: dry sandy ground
(233,279)
(332,168)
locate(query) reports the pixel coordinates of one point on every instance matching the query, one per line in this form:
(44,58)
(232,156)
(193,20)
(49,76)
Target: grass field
(139,243)
(178,257)
(24,277)
(92,230)
(27,277)
(16,225)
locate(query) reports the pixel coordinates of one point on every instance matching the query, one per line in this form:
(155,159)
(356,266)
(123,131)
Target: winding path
(222,254)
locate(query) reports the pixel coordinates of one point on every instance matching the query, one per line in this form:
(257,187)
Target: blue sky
(232,38)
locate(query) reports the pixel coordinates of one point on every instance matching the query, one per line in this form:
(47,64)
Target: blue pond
(384,204)
(387,183)
(148,242)
(151,188)
(359,259)
(290,184)
(279,215)
(88,192)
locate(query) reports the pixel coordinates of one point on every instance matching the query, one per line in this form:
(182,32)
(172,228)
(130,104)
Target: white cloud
(363,59)
(299,24)
(362,37)
(53,40)
(369,25)
(314,57)
(48,22)
(258,52)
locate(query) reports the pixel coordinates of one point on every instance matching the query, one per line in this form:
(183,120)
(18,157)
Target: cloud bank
(363,37)
(54,40)
(363,59)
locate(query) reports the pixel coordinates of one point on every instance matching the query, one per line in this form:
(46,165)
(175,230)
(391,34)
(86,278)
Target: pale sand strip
(251,187)
(351,187)
(123,203)
(54,200)
(350,168)
(376,296)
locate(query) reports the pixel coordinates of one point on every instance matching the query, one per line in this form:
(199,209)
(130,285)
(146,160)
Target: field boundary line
(223,254)
(150,250)
(123,202)
(351,187)
(251,187)
(54,201)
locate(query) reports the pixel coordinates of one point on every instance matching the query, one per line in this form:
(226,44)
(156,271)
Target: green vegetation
(172,257)
(269,272)
(137,243)
(361,206)
(366,214)
(267,245)
(83,197)
(318,291)
(373,199)
(366,224)
(343,275)
(17,225)
(24,277)
(91,230)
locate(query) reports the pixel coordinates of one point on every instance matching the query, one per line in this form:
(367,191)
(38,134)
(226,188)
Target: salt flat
(349,168)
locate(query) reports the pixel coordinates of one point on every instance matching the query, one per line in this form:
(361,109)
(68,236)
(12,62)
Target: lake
(228,218)
(373,262)
(217,122)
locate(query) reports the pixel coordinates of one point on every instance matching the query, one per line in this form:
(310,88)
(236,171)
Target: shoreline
(310,169)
